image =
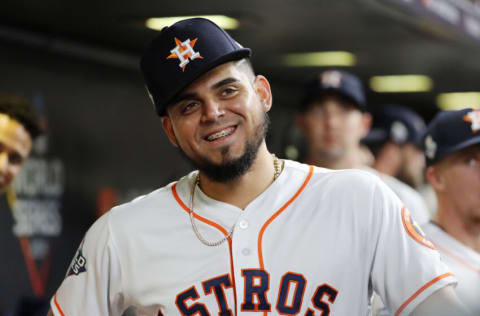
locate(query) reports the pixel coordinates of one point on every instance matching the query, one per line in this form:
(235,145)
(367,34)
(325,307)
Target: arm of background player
(50,313)
(443,302)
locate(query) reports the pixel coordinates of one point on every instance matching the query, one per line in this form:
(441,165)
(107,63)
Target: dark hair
(20,109)
(246,64)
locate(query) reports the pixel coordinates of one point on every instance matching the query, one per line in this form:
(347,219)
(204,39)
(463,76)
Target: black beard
(231,169)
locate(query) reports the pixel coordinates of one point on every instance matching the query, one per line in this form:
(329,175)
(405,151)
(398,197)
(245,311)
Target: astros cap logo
(399,132)
(184,52)
(430,147)
(331,78)
(474,118)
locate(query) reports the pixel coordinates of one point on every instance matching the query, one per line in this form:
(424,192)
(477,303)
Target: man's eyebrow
(183,96)
(193,95)
(223,82)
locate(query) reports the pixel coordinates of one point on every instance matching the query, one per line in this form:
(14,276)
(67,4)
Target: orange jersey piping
(456,258)
(220,228)
(280,210)
(423,288)
(57,305)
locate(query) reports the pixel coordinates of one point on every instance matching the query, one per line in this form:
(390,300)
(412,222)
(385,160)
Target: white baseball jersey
(464,262)
(315,242)
(411,198)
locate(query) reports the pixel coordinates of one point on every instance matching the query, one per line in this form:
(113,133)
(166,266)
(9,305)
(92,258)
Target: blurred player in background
(19,125)
(333,118)
(452,151)
(395,140)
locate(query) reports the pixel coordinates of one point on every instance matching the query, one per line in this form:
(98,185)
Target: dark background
(81,57)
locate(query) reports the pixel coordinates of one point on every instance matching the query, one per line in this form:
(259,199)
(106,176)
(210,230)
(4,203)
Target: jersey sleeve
(406,266)
(92,285)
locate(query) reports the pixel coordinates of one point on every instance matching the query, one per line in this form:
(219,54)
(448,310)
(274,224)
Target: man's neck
(240,192)
(385,168)
(350,160)
(459,228)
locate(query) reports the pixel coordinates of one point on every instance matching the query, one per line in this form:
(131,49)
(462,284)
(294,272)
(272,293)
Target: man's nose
(212,110)
(332,119)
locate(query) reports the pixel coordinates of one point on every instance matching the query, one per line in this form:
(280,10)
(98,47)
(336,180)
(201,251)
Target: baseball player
(333,118)
(396,141)
(19,126)
(246,234)
(452,150)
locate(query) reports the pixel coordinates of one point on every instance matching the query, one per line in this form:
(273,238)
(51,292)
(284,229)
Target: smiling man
(246,233)
(19,126)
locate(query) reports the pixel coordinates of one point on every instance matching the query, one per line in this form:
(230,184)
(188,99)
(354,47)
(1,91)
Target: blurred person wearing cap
(333,118)
(19,126)
(395,140)
(239,233)
(452,152)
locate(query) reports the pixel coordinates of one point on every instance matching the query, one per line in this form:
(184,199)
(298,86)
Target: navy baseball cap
(183,52)
(397,124)
(451,131)
(337,82)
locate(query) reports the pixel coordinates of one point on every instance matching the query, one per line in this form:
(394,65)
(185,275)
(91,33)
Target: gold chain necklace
(278,169)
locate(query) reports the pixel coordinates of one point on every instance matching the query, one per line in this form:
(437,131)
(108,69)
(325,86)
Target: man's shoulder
(433,230)
(400,186)
(403,190)
(345,179)
(154,196)
(153,205)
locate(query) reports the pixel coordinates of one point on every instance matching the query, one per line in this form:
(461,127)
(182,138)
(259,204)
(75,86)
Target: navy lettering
(192,294)
(256,284)
(218,285)
(288,280)
(318,302)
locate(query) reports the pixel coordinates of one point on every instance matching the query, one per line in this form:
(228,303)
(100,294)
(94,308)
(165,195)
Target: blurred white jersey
(464,263)
(315,242)
(411,198)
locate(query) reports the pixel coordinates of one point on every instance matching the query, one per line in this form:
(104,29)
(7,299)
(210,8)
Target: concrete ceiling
(385,38)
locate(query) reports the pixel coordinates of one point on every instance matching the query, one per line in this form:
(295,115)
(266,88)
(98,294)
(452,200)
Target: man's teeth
(220,134)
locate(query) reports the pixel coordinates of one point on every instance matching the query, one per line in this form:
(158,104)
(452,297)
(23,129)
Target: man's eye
(15,159)
(228,91)
(188,107)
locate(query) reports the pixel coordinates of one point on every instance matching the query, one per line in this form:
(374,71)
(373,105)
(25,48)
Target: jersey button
(243,224)
(245,251)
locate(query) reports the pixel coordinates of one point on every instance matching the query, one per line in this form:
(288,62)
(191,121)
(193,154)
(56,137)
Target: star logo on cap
(184,52)
(474,118)
(430,147)
(399,132)
(331,79)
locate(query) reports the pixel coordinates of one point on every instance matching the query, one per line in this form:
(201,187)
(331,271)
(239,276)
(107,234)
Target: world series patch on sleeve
(316,242)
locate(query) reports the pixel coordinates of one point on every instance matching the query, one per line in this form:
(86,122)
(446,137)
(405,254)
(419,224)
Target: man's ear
(366,123)
(168,128)
(435,178)
(264,92)
(300,122)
